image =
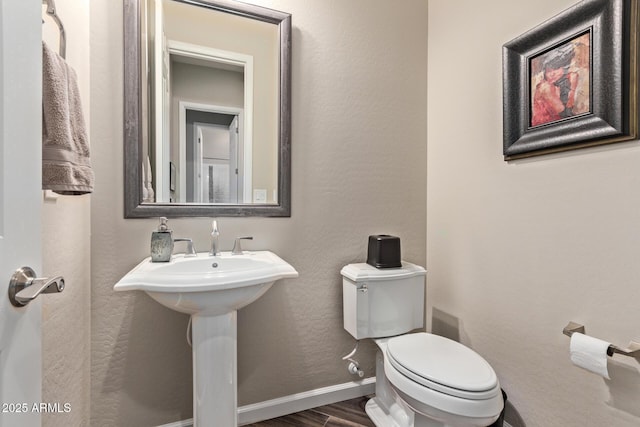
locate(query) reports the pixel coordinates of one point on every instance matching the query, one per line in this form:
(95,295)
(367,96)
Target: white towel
(66,163)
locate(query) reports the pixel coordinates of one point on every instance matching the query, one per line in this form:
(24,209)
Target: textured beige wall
(66,251)
(516,250)
(359,157)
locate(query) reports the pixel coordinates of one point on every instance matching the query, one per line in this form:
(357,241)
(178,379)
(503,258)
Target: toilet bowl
(422,380)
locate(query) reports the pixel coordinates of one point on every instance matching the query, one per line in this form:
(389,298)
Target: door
(20,208)
(217,162)
(198,180)
(235,190)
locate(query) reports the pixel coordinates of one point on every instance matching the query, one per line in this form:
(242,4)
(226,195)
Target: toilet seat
(442,365)
(429,391)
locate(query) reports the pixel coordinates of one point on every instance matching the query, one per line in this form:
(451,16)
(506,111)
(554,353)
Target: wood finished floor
(349,413)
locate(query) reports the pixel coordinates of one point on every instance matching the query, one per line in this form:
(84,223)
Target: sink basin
(205,284)
(210,289)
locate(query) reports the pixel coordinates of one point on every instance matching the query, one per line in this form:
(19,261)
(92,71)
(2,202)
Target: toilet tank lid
(364,272)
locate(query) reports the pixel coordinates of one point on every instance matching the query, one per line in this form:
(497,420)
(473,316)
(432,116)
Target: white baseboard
(306,400)
(183,423)
(297,402)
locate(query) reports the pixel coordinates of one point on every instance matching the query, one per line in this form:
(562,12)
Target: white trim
(184,423)
(297,402)
(161,148)
(303,401)
(207,53)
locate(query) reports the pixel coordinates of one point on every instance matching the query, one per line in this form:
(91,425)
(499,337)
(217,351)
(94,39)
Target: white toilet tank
(382,302)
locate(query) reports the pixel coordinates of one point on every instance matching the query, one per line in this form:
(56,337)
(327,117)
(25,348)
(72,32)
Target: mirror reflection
(207,109)
(212,106)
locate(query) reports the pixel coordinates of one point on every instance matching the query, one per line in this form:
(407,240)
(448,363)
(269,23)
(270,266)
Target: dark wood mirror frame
(133,121)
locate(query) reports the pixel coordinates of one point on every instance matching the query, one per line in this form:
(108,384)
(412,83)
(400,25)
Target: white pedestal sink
(210,289)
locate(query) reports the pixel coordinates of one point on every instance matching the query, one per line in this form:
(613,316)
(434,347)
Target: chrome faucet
(215,233)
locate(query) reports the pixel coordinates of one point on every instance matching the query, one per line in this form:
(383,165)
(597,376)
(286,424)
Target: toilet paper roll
(589,353)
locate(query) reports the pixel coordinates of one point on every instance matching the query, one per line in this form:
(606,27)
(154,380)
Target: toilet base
(393,408)
(382,417)
(387,409)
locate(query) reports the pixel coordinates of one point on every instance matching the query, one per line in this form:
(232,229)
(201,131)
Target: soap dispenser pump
(162,242)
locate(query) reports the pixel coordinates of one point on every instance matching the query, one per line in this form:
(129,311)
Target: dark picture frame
(593,44)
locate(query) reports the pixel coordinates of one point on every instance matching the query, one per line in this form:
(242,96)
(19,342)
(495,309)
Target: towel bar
(51,11)
(632,351)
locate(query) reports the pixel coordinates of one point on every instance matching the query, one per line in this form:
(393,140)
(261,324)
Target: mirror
(207,111)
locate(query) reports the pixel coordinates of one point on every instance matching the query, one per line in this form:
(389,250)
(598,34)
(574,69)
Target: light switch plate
(260,196)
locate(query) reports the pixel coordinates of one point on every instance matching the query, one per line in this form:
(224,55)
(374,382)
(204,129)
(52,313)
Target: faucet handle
(191,249)
(237,247)
(214,228)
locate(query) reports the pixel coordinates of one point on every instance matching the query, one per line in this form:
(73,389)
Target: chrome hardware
(571,328)
(632,351)
(215,233)
(191,250)
(51,10)
(24,286)
(363,288)
(237,247)
(354,369)
(354,366)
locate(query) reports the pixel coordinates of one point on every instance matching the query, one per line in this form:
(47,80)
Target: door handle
(25,286)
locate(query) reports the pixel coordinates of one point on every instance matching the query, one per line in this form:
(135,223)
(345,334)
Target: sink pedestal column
(215,395)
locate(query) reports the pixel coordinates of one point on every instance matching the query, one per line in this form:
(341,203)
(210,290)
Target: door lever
(25,286)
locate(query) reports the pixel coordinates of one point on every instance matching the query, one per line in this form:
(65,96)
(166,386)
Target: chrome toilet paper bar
(632,351)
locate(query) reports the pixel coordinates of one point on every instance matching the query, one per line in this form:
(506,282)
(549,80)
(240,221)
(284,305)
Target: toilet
(422,380)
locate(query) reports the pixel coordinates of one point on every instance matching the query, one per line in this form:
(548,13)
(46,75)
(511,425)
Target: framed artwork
(572,82)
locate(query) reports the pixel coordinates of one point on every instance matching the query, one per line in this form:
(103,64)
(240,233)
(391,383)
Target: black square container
(384,251)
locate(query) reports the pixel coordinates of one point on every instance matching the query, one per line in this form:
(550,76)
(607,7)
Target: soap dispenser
(162,242)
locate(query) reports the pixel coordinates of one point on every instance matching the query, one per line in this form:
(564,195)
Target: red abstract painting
(560,84)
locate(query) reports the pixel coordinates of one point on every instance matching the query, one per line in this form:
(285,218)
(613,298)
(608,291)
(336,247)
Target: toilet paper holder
(632,351)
